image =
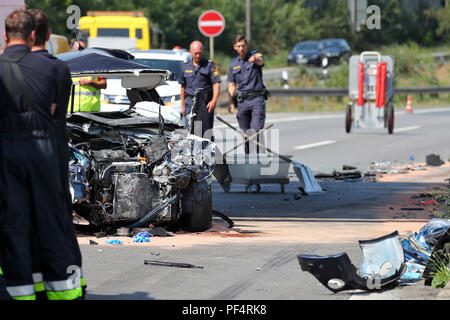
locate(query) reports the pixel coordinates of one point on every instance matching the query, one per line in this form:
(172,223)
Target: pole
(248,34)
(352,9)
(211,48)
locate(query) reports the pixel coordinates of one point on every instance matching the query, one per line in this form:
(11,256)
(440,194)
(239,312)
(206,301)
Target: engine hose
(224,217)
(150,215)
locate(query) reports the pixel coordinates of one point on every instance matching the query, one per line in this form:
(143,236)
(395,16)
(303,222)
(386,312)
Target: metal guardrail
(343,92)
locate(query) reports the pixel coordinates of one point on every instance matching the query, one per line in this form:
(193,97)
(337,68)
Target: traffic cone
(408,105)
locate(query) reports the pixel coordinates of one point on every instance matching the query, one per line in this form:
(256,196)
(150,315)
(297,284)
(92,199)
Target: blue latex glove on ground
(142,237)
(113,241)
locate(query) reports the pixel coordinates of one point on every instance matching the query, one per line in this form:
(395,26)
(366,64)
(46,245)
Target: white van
(114,97)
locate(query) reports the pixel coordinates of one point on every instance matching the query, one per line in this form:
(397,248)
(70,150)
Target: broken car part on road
(171,264)
(383,264)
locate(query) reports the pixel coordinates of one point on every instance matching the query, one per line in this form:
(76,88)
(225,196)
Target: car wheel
(196,207)
(390,118)
(348,118)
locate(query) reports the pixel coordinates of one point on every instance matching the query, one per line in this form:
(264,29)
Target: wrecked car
(140,166)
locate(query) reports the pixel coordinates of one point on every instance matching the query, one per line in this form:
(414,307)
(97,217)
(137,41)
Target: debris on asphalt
(412,209)
(347,167)
(297,196)
(434,160)
(142,237)
(423,202)
(93,242)
(388,261)
(383,265)
(155,231)
(224,217)
(113,241)
(171,264)
(155,253)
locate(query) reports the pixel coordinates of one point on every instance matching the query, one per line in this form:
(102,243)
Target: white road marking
(288,119)
(313,145)
(406,129)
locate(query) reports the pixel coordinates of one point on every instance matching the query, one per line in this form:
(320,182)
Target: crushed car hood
(103,64)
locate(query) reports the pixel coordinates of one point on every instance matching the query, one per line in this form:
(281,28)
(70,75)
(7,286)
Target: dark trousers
(251,117)
(63,156)
(36,232)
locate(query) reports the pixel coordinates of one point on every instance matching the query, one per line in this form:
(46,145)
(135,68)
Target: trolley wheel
(226,187)
(348,118)
(282,188)
(390,118)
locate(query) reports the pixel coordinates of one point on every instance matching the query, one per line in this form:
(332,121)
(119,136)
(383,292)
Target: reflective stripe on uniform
(38,280)
(31,297)
(21,291)
(38,277)
(86,99)
(88,93)
(63,285)
(1,272)
(65,295)
(82,282)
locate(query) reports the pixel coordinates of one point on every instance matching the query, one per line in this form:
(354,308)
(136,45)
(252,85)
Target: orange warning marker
(409,105)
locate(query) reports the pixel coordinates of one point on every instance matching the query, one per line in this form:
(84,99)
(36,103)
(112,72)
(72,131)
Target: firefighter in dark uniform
(62,97)
(200,73)
(246,88)
(33,214)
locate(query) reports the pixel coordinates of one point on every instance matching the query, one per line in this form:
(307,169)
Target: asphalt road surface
(320,141)
(256,260)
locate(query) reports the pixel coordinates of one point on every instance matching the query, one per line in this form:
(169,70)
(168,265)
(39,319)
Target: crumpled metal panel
(336,272)
(78,168)
(382,256)
(132,196)
(383,264)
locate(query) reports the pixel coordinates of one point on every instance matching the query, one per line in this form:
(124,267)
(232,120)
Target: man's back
(40,75)
(64,84)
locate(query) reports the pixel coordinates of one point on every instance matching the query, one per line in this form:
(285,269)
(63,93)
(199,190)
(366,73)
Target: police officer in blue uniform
(200,73)
(33,215)
(246,88)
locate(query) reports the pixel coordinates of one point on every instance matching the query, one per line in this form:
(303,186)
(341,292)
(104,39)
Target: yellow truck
(121,26)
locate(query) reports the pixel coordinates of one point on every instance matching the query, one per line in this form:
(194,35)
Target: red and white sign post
(211,23)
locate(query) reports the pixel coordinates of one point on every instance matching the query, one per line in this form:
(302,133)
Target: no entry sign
(211,23)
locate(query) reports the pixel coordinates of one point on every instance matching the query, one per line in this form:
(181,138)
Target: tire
(348,118)
(390,118)
(196,207)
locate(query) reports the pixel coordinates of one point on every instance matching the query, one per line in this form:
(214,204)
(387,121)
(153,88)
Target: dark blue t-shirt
(41,76)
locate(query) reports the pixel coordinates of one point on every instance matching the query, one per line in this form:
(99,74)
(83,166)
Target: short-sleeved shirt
(247,75)
(64,82)
(202,76)
(41,76)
